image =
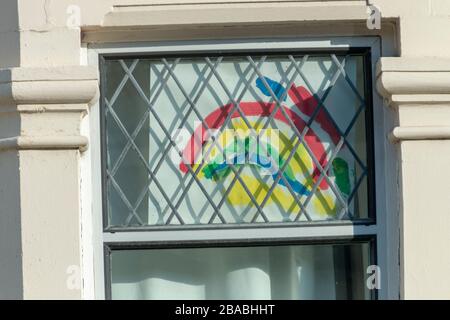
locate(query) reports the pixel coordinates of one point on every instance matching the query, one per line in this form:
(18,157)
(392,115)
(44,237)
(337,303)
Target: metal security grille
(141,134)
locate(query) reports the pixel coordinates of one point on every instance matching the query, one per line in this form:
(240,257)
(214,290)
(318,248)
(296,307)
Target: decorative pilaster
(418,89)
(40,145)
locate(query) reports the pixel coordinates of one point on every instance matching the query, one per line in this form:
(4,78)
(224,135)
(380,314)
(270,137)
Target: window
(238,171)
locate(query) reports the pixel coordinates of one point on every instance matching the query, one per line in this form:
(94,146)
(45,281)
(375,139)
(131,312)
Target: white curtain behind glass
(284,272)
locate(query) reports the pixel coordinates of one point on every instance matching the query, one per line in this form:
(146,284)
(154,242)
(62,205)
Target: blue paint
(276,87)
(295,185)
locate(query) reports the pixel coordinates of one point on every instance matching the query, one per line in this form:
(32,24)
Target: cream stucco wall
(45,92)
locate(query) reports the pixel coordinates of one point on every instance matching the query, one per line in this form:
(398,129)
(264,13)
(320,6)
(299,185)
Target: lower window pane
(260,272)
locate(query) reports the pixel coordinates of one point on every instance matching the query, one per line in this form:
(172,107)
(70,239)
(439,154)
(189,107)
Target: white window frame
(385,229)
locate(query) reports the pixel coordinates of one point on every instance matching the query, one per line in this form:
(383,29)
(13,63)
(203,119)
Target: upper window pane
(235,139)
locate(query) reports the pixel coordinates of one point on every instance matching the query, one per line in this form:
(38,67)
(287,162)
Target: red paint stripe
(306,103)
(216,119)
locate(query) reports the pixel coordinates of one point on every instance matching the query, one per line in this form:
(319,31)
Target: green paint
(342,174)
(215,170)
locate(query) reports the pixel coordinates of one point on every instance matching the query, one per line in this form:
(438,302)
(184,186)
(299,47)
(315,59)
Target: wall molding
(422,80)
(420,133)
(409,82)
(53,85)
(43,108)
(44,142)
(222,12)
(179,19)
(31,92)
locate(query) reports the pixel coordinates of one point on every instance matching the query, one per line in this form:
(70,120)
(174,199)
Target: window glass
(235,139)
(260,272)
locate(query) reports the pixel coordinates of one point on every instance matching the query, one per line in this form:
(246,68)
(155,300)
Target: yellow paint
(323,202)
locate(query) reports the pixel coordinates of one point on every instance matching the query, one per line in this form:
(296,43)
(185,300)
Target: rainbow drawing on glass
(239,147)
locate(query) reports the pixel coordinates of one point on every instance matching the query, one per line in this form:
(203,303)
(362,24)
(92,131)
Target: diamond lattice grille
(235,139)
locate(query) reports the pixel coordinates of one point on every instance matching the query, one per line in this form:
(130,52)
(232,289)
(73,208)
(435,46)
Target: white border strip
(323,232)
(237,44)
